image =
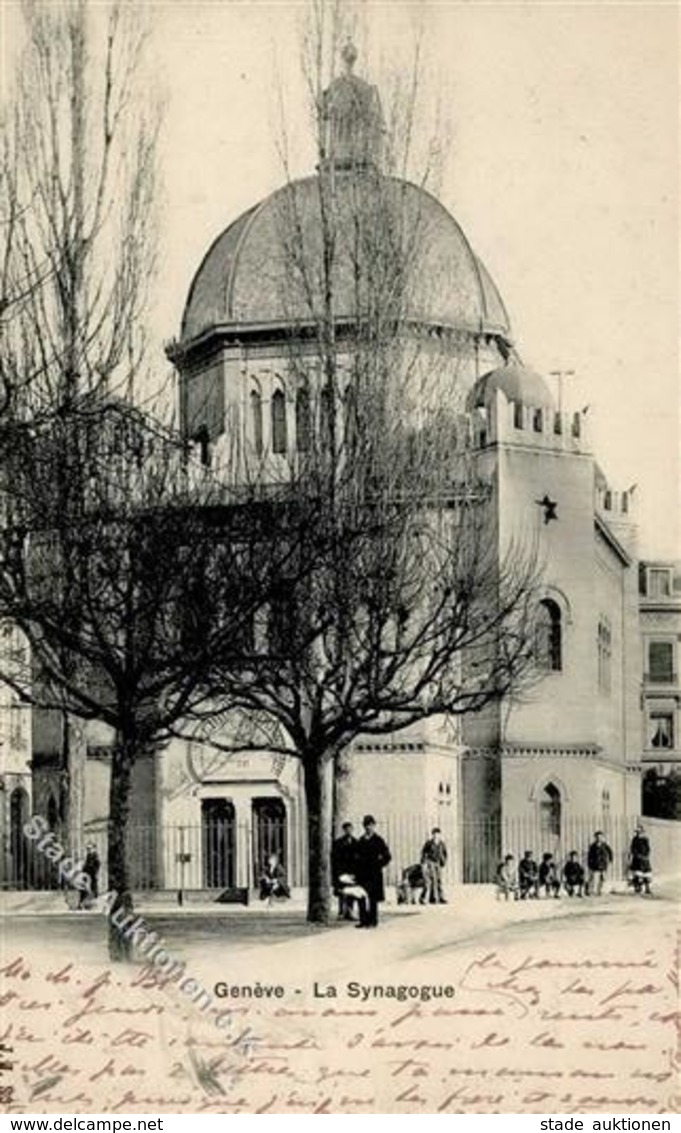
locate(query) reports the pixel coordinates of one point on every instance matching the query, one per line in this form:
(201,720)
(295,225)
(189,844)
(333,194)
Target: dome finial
(349,55)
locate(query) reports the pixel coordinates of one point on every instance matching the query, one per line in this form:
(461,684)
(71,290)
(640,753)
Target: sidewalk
(33,903)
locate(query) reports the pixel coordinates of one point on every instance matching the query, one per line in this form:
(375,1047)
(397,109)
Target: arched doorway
(18,846)
(218,828)
(269,833)
(550,810)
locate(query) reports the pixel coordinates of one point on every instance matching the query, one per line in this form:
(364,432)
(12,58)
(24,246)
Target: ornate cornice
(390,745)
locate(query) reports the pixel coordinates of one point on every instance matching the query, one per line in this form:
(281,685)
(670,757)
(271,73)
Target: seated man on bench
(273,880)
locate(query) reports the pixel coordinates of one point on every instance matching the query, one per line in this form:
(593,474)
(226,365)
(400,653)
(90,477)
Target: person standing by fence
(433,861)
(91,867)
(598,860)
(639,861)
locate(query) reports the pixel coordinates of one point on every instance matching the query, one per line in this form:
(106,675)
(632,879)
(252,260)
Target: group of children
(531,880)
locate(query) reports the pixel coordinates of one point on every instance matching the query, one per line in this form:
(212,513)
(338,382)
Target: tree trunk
(342,775)
(318,769)
(122,760)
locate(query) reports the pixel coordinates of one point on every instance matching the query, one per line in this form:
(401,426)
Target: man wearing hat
(373,856)
(598,860)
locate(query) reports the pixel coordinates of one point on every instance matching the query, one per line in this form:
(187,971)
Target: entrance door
(18,846)
(219,843)
(269,831)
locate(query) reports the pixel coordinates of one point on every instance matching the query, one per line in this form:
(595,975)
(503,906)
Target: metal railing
(223,855)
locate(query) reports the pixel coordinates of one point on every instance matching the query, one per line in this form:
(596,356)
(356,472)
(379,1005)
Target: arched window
(202,439)
(279,441)
(604,655)
(303,419)
(52,813)
(548,637)
(256,421)
(550,810)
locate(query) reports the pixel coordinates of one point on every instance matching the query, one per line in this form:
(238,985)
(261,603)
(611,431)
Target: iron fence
(224,855)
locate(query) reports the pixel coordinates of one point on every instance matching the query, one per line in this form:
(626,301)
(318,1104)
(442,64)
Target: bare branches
(77,262)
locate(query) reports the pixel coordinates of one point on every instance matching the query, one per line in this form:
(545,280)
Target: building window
(660,662)
(303,420)
(518,415)
(550,810)
(659,583)
(256,422)
(604,656)
(576,425)
(548,637)
(605,805)
(279,422)
(558,424)
(202,439)
(661,730)
(538,421)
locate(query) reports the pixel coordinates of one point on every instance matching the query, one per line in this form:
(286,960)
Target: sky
(563,172)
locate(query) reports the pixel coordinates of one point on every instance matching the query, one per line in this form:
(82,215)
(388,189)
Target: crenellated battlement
(507,421)
(615,506)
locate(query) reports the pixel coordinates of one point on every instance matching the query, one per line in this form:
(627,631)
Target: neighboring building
(15,771)
(660,621)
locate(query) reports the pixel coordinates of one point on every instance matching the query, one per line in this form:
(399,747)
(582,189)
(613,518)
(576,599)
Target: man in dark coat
(372,857)
(344,865)
(91,871)
(639,861)
(598,860)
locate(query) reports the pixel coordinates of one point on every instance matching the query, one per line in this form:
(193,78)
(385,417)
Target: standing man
(373,856)
(91,870)
(433,861)
(639,861)
(598,860)
(344,867)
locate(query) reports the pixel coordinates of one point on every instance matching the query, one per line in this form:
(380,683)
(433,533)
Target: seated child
(528,876)
(548,876)
(507,878)
(573,875)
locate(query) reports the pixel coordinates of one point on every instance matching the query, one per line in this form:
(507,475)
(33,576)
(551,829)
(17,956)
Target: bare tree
(123,561)
(405,611)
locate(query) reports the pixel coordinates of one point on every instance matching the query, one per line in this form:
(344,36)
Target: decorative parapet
(537,426)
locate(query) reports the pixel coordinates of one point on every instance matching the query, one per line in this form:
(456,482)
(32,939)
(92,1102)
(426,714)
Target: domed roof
(248,276)
(516,382)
